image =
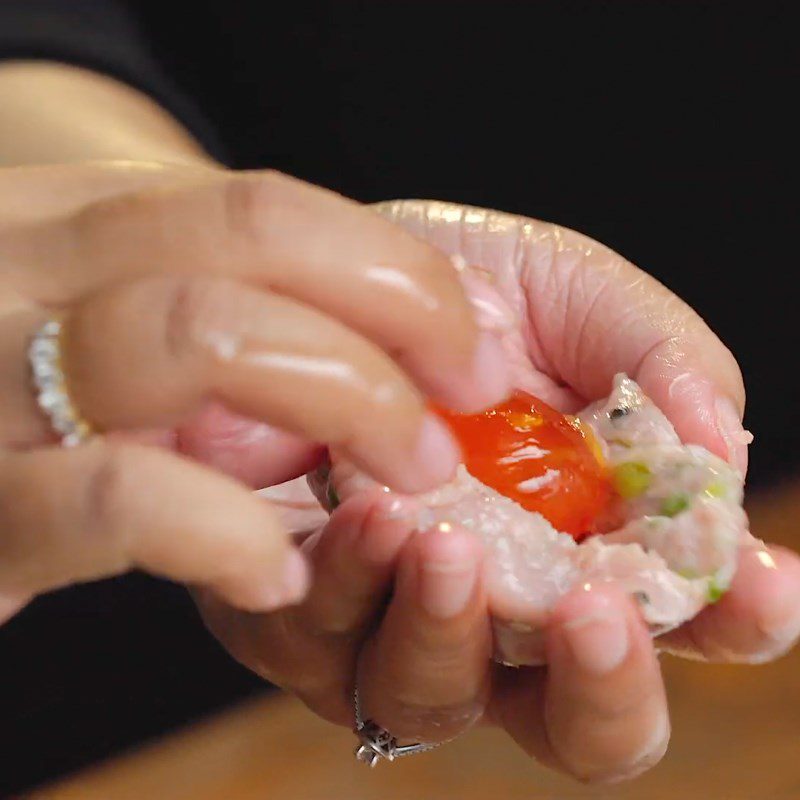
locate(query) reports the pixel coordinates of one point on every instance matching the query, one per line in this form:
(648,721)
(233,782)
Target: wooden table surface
(736,737)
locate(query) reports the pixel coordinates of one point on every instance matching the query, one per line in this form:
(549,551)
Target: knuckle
(440,684)
(413,717)
(96,215)
(439,286)
(95,226)
(250,203)
(195,308)
(104,493)
(441,653)
(609,710)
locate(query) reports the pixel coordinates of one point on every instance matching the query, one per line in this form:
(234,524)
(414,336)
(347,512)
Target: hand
(182,285)
(599,711)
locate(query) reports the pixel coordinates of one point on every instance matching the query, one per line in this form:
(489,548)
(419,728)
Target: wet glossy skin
(538,457)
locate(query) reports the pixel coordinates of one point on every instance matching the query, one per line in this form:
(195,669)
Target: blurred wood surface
(736,736)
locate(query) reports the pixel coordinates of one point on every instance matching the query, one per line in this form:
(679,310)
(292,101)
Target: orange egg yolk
(539,458)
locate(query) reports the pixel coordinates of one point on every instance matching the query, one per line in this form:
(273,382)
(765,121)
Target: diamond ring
(377,744)
(52,397)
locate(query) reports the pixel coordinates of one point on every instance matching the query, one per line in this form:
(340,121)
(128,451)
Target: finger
(32,193)
(299,240)
(253,452)
(354,559)
(590,314)
(603,712)
(68,516)
(312,648)
(425,674)
(757,620)
(264,356)
(297,506)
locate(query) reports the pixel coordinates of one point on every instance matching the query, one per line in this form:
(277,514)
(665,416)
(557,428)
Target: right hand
(408,612)
(283,303)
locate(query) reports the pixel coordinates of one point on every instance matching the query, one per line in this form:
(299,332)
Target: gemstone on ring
(377,744)
(44,355)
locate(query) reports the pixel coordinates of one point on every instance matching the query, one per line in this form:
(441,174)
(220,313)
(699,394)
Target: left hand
(599,710)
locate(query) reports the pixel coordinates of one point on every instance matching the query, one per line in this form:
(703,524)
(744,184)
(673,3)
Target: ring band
(44,355)
(377,744)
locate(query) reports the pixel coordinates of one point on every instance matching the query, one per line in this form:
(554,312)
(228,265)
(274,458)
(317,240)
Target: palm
(580,314)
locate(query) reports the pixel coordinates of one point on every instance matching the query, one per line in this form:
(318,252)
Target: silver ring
(377,744)
(52,397)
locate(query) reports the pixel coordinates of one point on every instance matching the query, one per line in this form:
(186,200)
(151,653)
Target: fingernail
(437,454)
(385,530)
(598,642)
(395,508)
(490,368)
(779,620)
(784,633)
(447,581)
(734,435)
(765,558)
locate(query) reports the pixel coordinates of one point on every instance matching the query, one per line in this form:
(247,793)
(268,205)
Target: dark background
(663,129)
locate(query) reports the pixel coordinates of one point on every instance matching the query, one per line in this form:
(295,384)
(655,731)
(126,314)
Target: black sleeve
(102,35)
